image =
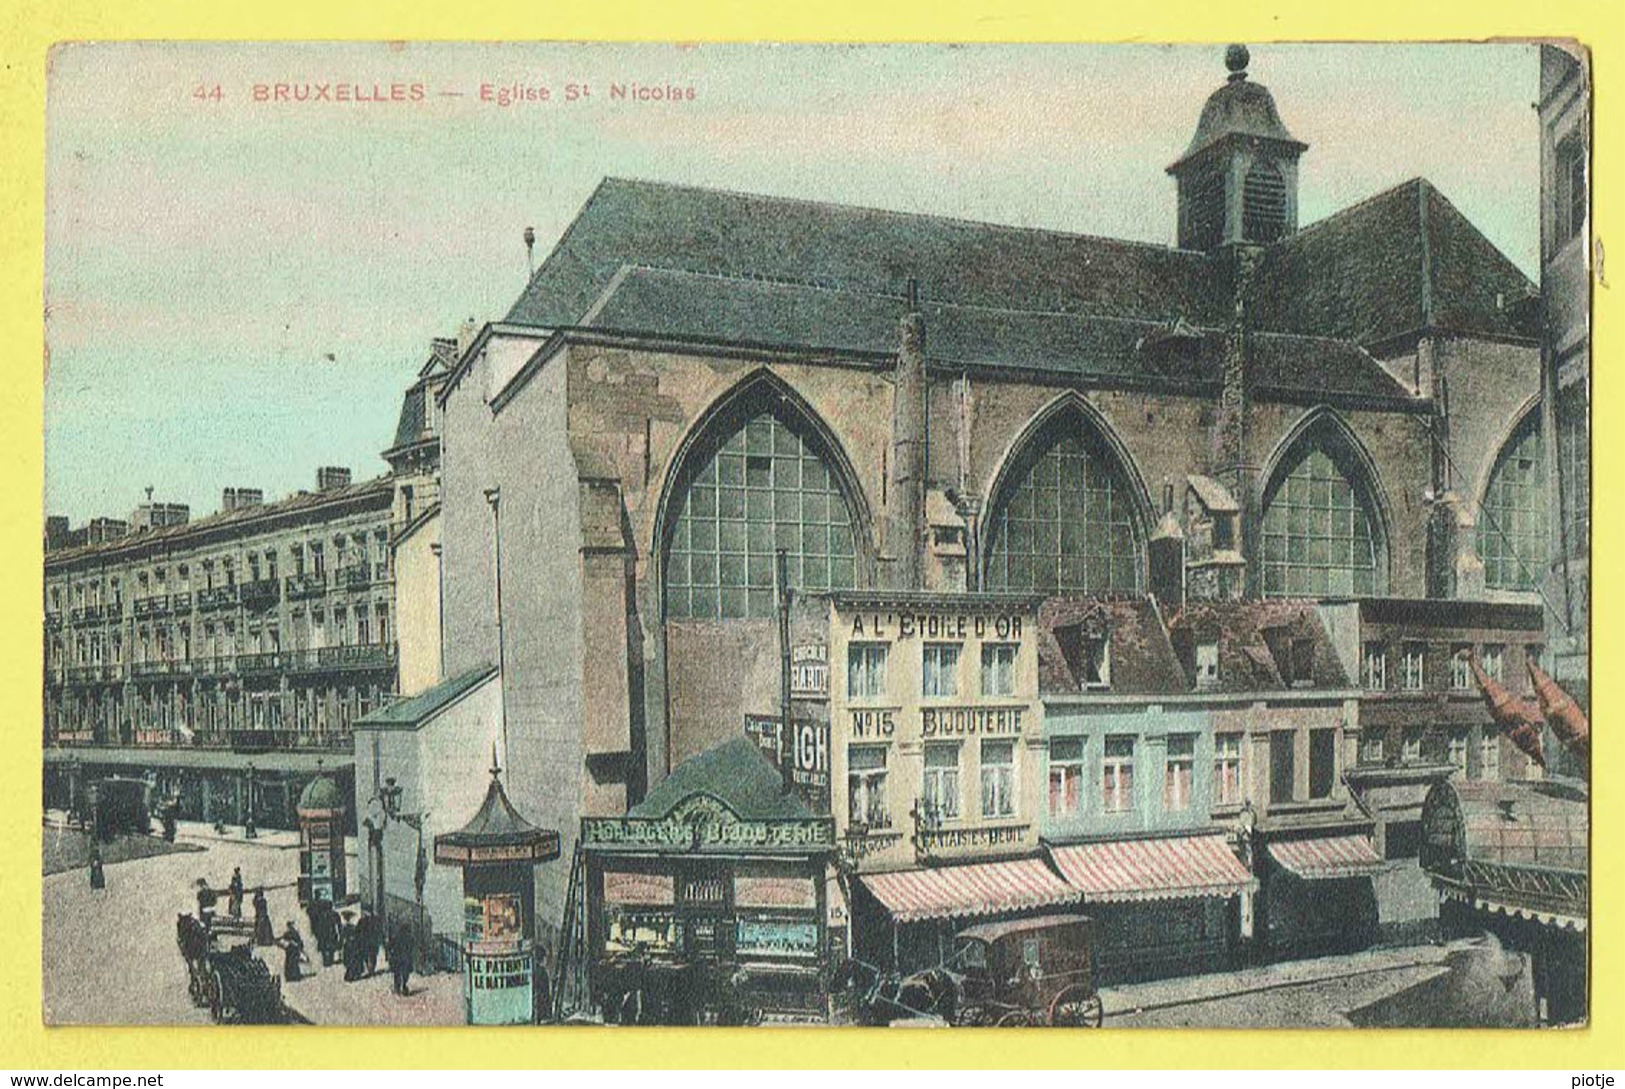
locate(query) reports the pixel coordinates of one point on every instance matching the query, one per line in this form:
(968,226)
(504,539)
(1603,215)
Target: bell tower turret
(1238,179)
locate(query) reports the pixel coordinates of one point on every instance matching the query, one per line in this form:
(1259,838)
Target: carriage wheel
(974,1017)
(1015,1019)
(216,996)
(1076,1007)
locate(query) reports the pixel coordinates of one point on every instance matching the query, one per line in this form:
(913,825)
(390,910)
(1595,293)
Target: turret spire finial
(1236,58)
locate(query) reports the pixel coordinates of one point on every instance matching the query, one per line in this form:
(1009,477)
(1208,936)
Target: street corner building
(835,580)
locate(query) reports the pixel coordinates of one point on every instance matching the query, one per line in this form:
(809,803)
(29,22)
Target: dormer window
(1087,653)
(1207,665)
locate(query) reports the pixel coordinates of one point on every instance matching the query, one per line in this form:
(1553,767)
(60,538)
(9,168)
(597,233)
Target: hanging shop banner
(701,823)
(809,671)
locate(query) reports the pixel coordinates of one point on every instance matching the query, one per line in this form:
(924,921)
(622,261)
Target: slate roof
(657,259)
(1238,109)
(736,774)
(862,250)
(1400,261)
(496,824)
(1142,659)
(1103,348)
(1242,629)
(425,705)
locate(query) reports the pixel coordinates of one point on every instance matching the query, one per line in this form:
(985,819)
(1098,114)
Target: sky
(240,288)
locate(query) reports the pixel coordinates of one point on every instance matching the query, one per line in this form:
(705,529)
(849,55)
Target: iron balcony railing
(215,597)
(259,591)
(154,605)
(361,657)
(307,584)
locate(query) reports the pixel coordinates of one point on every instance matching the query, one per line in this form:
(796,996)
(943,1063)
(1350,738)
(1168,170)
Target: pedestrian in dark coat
(372,939)
(234,893)
(293,951)
(262,920)
(399,951)
(98,879)
(321,928)
(206,899)
(355,957)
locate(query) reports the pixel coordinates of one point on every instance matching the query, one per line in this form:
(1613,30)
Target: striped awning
(1328,857)
(1170,868)
(986,888)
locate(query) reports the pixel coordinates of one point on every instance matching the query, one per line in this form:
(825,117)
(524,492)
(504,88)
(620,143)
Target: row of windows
(1068,522)
(349,626)
(866,665)
(1413,749)
(1069,790)
(309,557)
(941,787)
(1411,673)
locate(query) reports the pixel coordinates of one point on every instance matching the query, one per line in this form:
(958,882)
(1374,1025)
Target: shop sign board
(809,671)
(701,823)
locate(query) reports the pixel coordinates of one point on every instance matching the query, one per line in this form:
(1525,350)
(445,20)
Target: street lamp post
(249,831)
(384,806)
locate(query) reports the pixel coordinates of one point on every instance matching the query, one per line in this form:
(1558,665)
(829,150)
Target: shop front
(706,903)
(1163,905)
(1319,894)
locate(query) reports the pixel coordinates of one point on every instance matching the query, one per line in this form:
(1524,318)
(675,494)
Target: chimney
(905,513)
(466,333)
(1166,555)
(56,531)
(329,477)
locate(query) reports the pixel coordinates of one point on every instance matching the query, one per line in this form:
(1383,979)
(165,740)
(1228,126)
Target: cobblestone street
(111,957)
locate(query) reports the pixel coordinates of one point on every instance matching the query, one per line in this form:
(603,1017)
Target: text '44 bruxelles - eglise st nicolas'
(789,610)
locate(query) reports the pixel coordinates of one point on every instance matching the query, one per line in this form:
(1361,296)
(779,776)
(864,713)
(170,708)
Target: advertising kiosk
(498,850)
(321,842)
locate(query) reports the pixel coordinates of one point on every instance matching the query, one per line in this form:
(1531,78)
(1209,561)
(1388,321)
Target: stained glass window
(762,489)
(1318,538)
(1512,533)
(1068,525)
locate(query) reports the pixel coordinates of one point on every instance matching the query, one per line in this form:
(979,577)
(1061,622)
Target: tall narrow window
(1489,757)
(1574,465)
(1069,522)
(865,671)
(998,669)
(1411,672)
(1375,666)
(1065,776)
(940,672)
(764,487)
(866,786)
(1461,667)
(1456,750)
(1207,665)
(1117,775)
(998,778)
(1512,531)
(1176,779)
(1494,658)
(1283,766)
(941,794)
(1227,769)
(1572,203)
(1322,763)
(1317,533)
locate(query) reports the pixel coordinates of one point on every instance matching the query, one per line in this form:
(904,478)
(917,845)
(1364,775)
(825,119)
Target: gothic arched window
(1320,532)
(761,484)
(1069,522)
(1263,203)
(1512,533)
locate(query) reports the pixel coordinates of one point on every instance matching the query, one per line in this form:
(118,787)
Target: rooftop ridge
(1160,247)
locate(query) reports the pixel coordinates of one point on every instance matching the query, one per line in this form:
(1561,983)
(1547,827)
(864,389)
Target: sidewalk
(324,998)
(1371,973)
(198,831)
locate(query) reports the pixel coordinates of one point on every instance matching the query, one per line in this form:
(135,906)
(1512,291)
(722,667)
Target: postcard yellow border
(30,28)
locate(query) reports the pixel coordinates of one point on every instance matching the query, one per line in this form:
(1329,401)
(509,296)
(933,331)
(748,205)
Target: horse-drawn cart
(1022,972)
(234,984)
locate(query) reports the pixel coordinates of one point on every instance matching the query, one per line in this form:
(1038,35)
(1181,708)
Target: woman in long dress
(293,951)
(263,935)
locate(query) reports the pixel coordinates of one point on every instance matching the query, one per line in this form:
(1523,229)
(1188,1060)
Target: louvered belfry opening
(1203,209)
(1263,204)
